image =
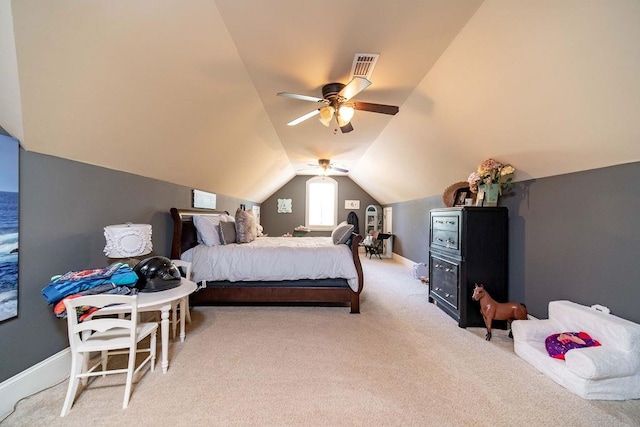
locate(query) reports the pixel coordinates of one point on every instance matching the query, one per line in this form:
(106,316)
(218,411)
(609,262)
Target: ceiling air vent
(363,65)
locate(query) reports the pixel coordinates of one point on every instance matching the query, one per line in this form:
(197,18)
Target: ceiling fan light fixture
(326,114)
(345,114)
(324,166)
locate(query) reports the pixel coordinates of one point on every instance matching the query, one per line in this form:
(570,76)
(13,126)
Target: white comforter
(273,258)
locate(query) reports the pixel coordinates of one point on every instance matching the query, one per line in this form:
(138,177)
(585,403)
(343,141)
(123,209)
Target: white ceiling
(298,46)
(186,91)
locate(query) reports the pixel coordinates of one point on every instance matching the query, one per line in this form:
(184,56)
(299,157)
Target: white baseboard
(38,377)
(404,261)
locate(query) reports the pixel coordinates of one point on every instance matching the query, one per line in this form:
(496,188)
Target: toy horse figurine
(491,309)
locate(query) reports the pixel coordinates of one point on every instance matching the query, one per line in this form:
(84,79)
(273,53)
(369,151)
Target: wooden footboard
(318,291)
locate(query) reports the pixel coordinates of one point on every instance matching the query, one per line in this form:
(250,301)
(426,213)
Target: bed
(299,285)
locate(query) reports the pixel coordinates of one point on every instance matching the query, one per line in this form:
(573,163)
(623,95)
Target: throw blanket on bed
(274,258)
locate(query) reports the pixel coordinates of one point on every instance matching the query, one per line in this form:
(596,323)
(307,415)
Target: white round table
(161,301)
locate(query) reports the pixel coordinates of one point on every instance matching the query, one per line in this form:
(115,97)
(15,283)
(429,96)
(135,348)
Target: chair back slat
(183,266)
(104,324)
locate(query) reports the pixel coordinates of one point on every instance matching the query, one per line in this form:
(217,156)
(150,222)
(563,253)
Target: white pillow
(208,228)
(341,233)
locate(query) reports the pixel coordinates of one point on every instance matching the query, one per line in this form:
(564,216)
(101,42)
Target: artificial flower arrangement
(492,172)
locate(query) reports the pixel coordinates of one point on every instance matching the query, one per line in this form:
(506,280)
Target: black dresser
(468,245)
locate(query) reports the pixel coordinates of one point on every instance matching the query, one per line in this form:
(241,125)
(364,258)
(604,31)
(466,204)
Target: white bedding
(273,258)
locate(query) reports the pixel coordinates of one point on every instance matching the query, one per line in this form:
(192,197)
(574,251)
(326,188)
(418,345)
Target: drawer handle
(450,222)
(448,241)
(447,295)
(446,269)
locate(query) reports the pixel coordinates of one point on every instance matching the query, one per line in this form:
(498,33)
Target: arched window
(322,203)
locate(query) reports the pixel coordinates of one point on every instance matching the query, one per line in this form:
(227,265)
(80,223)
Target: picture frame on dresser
(461,195)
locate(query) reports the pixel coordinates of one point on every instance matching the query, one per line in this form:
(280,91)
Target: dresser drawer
(445,231)
(445,280)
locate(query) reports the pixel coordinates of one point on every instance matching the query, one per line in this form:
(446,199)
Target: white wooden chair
(185,268)
(109,336)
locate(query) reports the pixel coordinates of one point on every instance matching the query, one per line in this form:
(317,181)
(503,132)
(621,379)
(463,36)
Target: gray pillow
(228,232)
(341,233)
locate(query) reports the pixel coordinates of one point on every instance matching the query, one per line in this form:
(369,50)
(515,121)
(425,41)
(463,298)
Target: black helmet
(156,273)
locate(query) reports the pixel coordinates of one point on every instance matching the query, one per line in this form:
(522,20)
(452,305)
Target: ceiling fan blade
(376,108)
(354,87)
(346,128)
(306,169)
(301,97)
(335,168)
(303,118)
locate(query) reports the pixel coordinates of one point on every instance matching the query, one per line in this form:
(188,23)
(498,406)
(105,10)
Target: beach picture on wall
(9,152)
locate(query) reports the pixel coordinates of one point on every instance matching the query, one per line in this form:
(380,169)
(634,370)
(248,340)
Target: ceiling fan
(335,102)
(326,165)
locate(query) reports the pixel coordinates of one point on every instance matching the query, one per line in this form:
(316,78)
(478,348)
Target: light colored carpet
(402,361)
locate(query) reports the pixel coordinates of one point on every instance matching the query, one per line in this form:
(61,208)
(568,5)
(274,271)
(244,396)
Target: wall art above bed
(202,199)
(284,205)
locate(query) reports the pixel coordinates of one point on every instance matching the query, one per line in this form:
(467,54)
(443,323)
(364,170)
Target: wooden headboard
(185,236)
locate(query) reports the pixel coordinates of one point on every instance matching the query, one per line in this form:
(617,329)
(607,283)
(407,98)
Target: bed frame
(334,291)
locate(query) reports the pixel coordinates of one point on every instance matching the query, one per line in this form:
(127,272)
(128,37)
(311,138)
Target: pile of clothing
(117,278)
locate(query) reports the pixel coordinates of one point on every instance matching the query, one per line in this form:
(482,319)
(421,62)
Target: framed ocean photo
(9,177)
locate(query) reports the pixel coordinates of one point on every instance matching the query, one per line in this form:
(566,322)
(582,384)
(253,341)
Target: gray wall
(573,236)
(411,227)
(64,206)
(277,224)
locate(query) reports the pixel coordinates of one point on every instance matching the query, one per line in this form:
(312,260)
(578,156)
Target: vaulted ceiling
(185,91)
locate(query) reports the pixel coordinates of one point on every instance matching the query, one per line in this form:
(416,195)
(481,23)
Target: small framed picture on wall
(284,206)
(352,204)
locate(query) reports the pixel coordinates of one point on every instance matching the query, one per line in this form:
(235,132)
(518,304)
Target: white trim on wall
(402,260)
(40,376)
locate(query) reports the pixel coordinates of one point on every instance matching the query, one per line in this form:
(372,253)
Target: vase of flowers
(490,180)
